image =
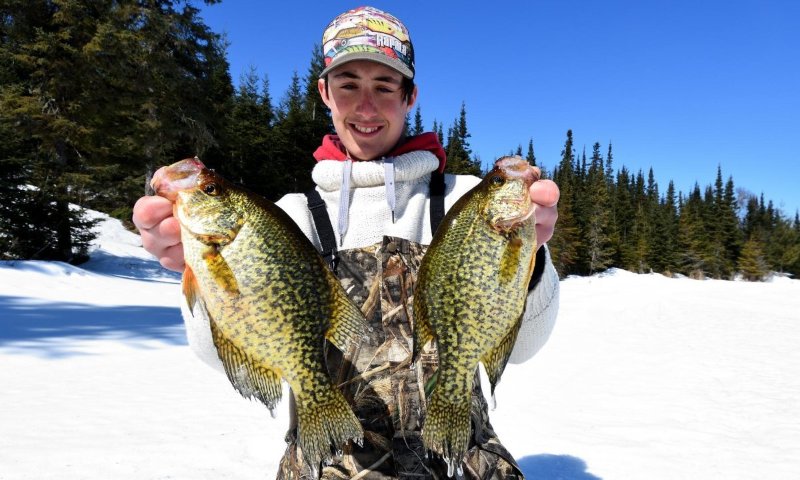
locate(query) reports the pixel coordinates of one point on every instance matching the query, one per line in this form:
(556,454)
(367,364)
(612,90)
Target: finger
(545,223)
(545,215)
(150,211)
(170,231)
(172,259)
(545,192)
(161,237)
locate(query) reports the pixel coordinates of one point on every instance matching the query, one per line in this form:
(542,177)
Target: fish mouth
(182,175)
(505,225)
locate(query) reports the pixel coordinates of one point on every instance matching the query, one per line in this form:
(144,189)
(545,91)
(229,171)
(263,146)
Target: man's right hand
(160,231)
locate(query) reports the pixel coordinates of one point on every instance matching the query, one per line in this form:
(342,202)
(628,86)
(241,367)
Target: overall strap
(322,223)
(437,199)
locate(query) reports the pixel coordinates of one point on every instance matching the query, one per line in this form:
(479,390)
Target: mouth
(507,224)
(366,130)
(169,180)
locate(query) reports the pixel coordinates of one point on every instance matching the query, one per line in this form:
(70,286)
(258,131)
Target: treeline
(611,218)
(95,95)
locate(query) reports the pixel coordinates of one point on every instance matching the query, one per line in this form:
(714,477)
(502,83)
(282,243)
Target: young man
(373,210)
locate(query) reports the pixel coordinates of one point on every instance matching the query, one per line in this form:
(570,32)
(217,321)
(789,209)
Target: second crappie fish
(470,295)
(269,298)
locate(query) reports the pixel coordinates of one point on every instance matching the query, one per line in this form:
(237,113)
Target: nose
(366,103)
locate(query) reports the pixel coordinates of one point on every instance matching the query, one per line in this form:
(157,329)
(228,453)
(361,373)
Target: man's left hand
(545,195)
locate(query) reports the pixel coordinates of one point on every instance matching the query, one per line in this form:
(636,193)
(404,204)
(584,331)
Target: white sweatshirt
(370,219)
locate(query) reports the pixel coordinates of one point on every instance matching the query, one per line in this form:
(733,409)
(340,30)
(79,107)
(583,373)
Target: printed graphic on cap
(367,30)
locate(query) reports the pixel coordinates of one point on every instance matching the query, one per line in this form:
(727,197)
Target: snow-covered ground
(645,377)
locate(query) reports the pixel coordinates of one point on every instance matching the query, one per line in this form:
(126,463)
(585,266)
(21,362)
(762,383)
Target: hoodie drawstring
(344,199)
(344,192)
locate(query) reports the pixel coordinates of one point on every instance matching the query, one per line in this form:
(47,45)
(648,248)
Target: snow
(644,377)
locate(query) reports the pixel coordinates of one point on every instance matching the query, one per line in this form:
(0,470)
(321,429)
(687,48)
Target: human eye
(386,88)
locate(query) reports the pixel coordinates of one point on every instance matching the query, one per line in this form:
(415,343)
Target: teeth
(365,129)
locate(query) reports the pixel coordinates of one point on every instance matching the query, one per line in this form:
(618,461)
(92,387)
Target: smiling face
(368,107)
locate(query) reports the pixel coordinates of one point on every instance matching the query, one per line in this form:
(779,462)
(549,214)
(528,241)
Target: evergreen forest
(94,95)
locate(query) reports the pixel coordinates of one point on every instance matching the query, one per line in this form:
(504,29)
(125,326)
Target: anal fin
(348,324)
(495,360)
(249,379)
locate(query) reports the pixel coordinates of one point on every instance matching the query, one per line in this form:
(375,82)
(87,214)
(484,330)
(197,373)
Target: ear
(412,99)
(323,92)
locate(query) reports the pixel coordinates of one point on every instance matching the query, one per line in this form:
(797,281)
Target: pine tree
(459,154)
(752,264)
(530,156)
(596,231)
(417,129)
(98,90)
(249,131)
(565,242)
(692,234)
(730,228)
(641,231)
(654,237)
(292,160)
(667,228)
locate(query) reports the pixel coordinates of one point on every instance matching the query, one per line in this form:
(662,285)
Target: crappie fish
(470,295)
(270,300)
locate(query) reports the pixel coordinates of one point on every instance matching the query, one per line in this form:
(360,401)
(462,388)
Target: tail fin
(447,427)
(325,419)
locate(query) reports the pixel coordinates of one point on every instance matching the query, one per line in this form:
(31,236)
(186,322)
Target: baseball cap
(366,33)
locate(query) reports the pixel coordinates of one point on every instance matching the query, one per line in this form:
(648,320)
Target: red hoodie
(332,148)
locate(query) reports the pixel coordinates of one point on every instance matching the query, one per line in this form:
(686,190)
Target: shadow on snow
(46,329)
(555,467)
(129,267)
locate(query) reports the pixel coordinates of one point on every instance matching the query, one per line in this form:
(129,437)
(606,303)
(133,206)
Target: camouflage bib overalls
(386,391)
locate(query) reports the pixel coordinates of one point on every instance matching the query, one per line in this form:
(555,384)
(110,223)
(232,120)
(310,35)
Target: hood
(332,148)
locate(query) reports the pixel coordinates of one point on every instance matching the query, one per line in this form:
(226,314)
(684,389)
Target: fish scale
(270,300)
(470,296)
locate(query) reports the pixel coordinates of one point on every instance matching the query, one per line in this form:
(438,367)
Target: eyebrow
(384,78)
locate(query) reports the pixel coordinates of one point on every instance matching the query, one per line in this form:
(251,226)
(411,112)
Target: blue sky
(680,86)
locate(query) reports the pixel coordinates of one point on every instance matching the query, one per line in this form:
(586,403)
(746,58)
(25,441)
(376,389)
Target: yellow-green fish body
(270,300)
(470,296)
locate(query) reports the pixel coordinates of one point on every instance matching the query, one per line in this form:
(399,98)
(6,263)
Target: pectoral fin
(495,360)
(220,271)
(190,288)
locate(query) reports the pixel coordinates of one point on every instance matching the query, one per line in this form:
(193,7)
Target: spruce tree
(98,91)
(654,237)
(459,154)
(530,156)
(417,129)
(292,159)
(667,226)
(692,234)
(249,130)
(641,231)
(565,242)
(752,264)
(730,227)
(596,232)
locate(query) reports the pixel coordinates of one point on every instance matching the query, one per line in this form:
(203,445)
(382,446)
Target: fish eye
(497,180)
(211,189)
